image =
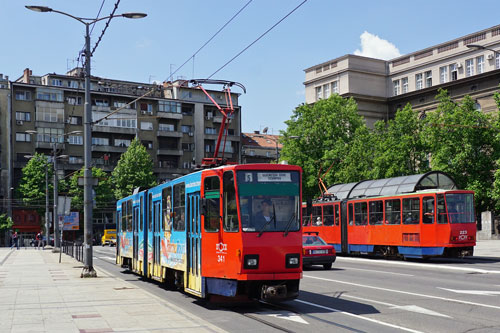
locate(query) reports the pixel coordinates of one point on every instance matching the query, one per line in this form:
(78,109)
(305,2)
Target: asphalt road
(359,295)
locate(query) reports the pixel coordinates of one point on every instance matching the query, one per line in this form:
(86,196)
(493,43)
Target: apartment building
(260,148)
(4,139)
(469,65)
(176,123)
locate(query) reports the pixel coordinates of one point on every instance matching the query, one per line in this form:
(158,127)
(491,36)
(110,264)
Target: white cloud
(375,47)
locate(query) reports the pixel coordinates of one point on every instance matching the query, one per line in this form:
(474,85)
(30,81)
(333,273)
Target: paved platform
(39,294)
(487,248)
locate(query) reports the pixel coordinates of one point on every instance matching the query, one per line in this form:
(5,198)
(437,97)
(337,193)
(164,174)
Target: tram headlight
(292,260)
(251,261)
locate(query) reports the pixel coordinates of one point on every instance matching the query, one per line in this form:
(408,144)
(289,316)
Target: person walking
(15,240)
(39,239)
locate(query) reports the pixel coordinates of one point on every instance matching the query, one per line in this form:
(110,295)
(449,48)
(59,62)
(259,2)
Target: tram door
(343,227)
(193,244)
(135,228)
(156,232)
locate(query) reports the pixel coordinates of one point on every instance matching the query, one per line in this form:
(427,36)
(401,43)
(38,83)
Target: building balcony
(49,145)
(167,170)
(170,134)
(169,115)
(218,119)
(110,129)
(109,149)
(49,124)
(101,108)
(169,151)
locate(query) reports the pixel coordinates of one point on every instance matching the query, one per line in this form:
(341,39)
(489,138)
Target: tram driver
(264,216)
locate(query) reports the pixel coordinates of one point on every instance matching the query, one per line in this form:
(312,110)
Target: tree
(104,196)
(31,188)
(5,222)
(134,169)
(319,135)
(463,142)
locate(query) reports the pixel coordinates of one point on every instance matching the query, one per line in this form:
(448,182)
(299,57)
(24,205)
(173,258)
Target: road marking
(411,308)
(285,315)
(109,258)
(406,292)
(421,265)
(371,270)
(473,292)
(359,317)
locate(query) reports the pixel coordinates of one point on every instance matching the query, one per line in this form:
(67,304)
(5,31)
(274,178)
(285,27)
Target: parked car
(315,251)
(51,240)
(109,237)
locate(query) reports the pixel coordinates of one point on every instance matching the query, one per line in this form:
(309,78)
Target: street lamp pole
(47,232)
(88,270)
(54,216)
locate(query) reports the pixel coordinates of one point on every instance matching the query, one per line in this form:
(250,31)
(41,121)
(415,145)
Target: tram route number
(221,259)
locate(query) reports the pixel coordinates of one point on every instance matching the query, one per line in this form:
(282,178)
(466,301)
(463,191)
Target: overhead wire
(105,27)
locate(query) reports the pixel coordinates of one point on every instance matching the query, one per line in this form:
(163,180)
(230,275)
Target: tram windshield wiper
(261,231)
(288,225)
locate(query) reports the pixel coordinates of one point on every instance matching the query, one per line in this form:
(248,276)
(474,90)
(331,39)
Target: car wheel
(327,266)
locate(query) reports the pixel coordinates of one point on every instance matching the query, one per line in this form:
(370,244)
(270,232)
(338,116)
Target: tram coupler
(273,293)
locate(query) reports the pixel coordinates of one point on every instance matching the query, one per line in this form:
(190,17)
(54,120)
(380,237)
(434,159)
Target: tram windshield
(269,200)
(460,207)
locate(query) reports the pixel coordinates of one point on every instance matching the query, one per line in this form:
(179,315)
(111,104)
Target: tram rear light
(453,238)
(471,237)
(251,261)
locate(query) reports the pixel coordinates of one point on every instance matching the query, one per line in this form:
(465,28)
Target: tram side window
(306,219)
(328,215)
(337,215)
(360,213)
(316,216)
(166,197)
(124,216)
(376,212)
(428,210)
(212,211)
(179,207)
(411,211)
(442,217)
(150,210)
(230,210)
(141,217)
(393,211)
(129,215)
(351,214)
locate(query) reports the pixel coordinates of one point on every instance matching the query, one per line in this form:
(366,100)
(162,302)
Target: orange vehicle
(416,216)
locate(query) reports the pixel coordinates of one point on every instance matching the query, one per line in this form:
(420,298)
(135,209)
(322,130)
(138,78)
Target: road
(360,295)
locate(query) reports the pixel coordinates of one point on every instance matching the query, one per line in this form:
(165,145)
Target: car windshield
(312,241)
(269,200)
(460,207)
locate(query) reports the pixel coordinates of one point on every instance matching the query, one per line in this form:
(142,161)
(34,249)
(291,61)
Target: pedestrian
(39,239)
(15,240)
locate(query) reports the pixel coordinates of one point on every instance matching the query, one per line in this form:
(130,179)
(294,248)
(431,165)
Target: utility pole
(54,213)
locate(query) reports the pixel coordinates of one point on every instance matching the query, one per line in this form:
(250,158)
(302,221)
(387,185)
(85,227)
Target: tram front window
(460,207)
(269,200)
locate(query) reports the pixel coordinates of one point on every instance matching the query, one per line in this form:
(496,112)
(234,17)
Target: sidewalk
(39,294)
(487,248)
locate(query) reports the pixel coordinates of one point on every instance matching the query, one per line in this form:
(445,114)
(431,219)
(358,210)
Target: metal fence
(73,249)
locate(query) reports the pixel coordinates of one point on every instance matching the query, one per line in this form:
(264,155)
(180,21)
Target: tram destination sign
(274,177)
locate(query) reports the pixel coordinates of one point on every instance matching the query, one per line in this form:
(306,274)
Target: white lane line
(473,292)
(406,292)
(109,258)
(421,265)
(359,317)
(411,308)
(371,270)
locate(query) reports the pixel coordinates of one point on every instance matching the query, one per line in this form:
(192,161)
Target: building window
(115,120)
(453,72)
(186,129)
(122,143)
(47,134)
(428,79)
(56,82)
(497,61)
(146,126)
(167,106)
(443,74)
(480,64)
(405,84)
(188,146)
(73,84)
(335,87)
(22,95)
(100,141)
(100,102)
(50,115)
(147,144)
(75,160)
(75,140)
(419,82)
(187,109)
(23,137)
(326,91)
(397,89)
(49,95)
(469,67)
(74,100)
(75,120)
(252,153)
(210,130)
(319,93)
(166,127)
(24,116)
(147,107)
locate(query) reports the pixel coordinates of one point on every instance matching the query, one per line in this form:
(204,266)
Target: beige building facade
(469,65)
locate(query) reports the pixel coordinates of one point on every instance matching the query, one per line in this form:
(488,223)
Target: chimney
(256,132)
(26,75)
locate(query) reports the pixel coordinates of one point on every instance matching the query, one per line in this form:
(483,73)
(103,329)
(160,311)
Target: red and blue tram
(231,230)
(416,216)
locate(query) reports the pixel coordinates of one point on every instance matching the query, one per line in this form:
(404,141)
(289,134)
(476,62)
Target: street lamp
(88,270)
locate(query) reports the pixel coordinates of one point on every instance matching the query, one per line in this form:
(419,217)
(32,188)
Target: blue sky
(272,69)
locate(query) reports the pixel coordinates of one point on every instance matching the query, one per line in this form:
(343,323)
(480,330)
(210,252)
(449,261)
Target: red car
(316,251)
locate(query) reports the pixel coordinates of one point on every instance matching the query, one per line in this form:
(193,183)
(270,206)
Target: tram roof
(393,186)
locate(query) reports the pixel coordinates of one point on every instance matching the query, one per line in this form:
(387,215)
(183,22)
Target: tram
(418,216)
(228,230)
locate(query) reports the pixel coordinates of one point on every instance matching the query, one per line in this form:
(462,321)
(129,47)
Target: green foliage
(134,169)
(31,188)
(104,197)
(5,222)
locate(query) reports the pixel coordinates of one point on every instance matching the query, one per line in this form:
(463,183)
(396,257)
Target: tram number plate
(320,251)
